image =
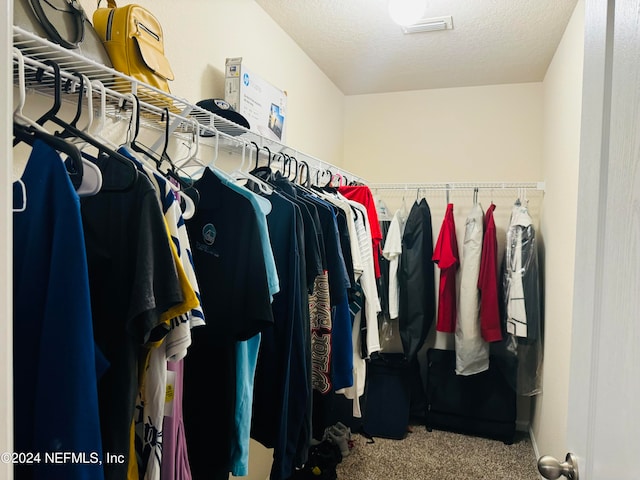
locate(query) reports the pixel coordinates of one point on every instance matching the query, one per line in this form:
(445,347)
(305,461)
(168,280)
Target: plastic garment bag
(521,302)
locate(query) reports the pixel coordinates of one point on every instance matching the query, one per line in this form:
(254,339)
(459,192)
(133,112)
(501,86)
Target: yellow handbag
(134,41)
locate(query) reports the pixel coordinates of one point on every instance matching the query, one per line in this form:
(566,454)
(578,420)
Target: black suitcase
(482,405)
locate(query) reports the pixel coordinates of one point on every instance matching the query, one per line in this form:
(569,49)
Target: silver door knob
(549,467)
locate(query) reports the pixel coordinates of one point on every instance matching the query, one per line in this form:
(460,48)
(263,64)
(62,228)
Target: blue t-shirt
(55,384)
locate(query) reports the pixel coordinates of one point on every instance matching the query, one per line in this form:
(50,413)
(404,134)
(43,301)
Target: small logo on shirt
(209,234)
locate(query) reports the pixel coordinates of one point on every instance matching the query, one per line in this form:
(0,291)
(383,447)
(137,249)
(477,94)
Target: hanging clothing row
(490,305)
(260,286)
(481,355)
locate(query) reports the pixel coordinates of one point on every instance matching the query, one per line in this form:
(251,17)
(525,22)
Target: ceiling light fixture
(429,25)
(406,12)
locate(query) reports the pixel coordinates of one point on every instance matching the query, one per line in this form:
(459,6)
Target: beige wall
(491,133)
(525,132)
(201,34)
(562,89)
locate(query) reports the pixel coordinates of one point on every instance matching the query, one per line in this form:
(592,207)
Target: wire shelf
(154,104)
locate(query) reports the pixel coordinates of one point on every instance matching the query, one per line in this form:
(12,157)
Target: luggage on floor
(483,404)
(388,397)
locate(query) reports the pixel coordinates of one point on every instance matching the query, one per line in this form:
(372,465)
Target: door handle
(549,467)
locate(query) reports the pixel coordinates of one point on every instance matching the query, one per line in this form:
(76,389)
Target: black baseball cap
(222,109)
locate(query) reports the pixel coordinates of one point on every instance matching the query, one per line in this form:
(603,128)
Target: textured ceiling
(362,51)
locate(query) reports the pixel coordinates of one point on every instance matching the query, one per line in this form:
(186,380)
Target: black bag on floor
(483,404)
(388,396)
(322,463)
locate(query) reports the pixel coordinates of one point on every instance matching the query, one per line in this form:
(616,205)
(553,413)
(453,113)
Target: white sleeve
(392,251)
(368,281)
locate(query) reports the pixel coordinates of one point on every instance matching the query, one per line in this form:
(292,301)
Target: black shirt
(133,280)
(231,273)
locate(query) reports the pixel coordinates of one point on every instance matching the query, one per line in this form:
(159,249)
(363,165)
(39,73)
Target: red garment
(445,255)
(363,195)
(490,327)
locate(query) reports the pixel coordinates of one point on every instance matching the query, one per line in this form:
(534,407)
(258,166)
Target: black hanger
(171,172)
(307,181)
(265,173)
(295,172)
(69,130)
(280,156)
(28,135)
(328,184)
(269,159)
(147,152)
(257,153)
(285,164)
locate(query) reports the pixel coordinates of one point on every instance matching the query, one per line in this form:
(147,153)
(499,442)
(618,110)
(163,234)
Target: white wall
(491,133)
(201,34)
(472,134)
(6,240)
(562,89)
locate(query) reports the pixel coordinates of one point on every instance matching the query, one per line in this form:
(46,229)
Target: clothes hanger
(163,163)
(328,184)
(129,172)
(18,115)
(75,165)
(193,148)
(28,131)
(307,181)
(286,160)
(265,169)
(336,176)
(250,176)
(92,175)
(319,174)
(305,186)
(518,203)
(184,191)
(97,85)
(257,153)
(279,164)
(295,172)
(23,192)
(136,146)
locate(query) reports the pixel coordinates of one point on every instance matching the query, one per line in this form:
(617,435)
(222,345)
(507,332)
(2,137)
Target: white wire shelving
(154,104)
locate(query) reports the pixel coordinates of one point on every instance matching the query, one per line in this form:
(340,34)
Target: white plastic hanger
(23,189)
(192,158)
(18,115)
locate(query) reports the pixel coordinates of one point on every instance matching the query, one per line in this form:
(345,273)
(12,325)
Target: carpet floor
(439,455)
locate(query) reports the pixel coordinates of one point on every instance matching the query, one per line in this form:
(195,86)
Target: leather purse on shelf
(134,40)
(63,22)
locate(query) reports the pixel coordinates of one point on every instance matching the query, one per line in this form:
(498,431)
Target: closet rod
(459,186)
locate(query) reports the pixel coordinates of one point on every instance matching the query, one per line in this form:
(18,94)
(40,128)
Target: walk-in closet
(400,274)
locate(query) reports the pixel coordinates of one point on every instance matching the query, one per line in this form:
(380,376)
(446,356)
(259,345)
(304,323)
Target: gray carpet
(439,455)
